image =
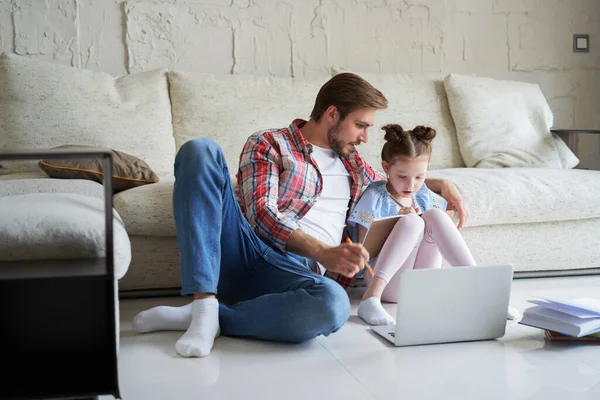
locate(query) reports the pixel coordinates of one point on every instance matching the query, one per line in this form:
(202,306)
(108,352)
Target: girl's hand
(408,210)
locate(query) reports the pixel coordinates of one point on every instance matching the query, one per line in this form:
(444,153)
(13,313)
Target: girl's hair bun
(424,133)
(393,133)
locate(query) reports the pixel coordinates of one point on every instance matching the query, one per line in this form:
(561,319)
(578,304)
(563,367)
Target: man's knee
(195,152)
(335,306)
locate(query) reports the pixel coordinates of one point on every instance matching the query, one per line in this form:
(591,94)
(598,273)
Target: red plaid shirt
(278,182)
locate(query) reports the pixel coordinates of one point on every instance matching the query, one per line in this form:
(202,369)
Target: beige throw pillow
(502,123)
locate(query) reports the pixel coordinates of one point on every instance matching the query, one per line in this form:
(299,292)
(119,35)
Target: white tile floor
(355,364)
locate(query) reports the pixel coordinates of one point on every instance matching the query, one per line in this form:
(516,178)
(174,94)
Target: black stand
(57,317)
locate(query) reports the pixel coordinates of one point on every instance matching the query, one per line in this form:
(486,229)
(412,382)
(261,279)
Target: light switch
(581,43)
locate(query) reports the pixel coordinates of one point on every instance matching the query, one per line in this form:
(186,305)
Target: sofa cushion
(128,171)
(526,195)
(413,99)
(44,105)
(229,108)
(23,175)
(147,210)
(545,246)
(501,123)
(38,182)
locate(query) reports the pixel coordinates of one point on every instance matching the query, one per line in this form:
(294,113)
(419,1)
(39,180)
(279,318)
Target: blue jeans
(263,292)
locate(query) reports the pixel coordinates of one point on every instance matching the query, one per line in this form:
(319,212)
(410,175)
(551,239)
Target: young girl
(422,236)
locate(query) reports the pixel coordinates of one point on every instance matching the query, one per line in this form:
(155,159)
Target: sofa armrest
(572,138)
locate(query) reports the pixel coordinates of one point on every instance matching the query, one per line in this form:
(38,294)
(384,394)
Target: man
(260,254)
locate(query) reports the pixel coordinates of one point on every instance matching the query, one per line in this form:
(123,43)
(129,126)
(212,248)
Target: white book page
(576,312)
(579,306)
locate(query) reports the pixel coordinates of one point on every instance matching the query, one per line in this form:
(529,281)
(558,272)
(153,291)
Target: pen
(367,266)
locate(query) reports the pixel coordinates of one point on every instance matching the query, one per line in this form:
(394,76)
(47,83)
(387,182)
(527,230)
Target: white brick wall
(528,40)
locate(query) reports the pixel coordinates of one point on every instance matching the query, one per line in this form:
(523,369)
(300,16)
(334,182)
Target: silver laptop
(456,304)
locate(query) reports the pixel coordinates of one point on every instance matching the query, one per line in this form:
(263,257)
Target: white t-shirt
(326,219)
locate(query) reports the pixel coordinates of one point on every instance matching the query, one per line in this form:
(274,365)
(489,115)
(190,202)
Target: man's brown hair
(347,92)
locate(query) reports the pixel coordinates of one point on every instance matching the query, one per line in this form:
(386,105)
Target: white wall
(528,40)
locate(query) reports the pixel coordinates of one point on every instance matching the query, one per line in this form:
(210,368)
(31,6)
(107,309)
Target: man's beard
(336,144)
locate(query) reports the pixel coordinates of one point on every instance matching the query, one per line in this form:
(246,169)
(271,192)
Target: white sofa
(544,219)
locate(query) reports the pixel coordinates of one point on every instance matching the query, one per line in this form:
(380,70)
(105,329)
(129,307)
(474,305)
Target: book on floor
(559,337)
(573,317)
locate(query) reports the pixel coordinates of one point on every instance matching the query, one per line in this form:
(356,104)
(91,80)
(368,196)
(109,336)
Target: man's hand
(450,192)
(346,259)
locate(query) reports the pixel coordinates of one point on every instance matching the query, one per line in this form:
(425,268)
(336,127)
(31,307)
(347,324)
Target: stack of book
(565,320)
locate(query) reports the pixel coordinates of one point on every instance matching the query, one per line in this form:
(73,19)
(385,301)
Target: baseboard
(143,293)
(556,274)
(175,292)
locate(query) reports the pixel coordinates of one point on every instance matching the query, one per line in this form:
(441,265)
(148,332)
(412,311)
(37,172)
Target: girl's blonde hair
(411,144)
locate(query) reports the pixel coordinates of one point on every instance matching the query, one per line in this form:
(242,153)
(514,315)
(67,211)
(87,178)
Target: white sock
(198,340)
(513,313)
(163,318)
(373,313)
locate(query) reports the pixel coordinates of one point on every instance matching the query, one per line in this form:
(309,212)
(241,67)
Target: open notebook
(377,234)
(380,229)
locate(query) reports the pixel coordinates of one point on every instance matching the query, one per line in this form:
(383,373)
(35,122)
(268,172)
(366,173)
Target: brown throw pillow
(128,171)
